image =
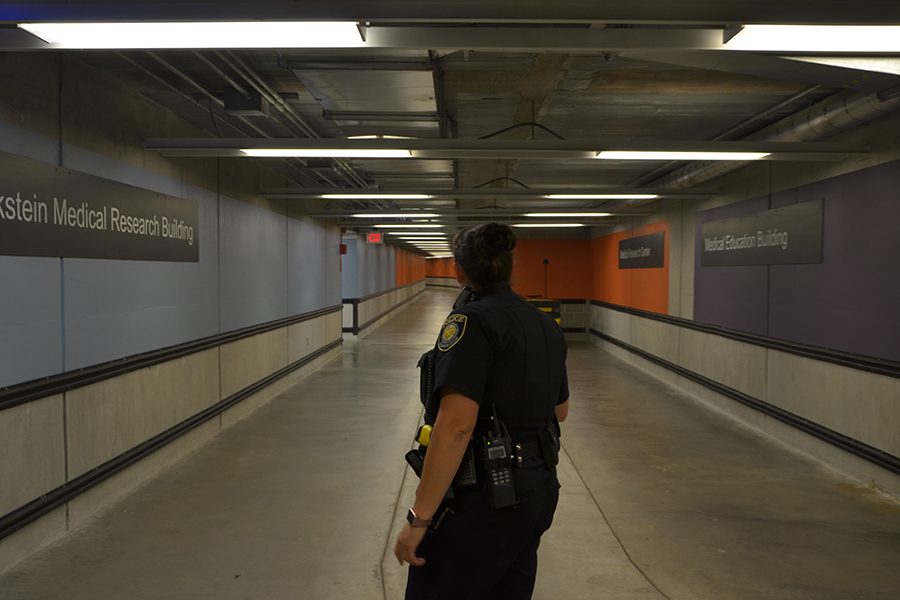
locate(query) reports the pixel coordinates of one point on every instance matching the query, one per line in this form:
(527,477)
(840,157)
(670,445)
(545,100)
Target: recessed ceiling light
(833,39)
(209,34)
(676,155)
(325,153)
(549,225)
(602,196)
(408,215)
(571,214)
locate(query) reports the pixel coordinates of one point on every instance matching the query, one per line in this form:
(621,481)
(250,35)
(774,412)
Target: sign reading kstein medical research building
(50,211)
(791,235)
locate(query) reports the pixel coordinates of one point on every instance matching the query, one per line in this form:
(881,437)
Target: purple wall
(850,302)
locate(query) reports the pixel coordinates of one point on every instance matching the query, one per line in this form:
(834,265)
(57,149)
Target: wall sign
(643,252)
(791,235)
(52,211)
(374,237)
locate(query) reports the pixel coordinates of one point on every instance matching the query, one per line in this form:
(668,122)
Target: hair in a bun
(484,253)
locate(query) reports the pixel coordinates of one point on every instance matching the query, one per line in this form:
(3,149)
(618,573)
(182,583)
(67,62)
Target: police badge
(452,331)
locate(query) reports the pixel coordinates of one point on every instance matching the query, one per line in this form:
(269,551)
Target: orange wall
(410,267)
(645,289)
(584,269)
(440,267)
(568,274)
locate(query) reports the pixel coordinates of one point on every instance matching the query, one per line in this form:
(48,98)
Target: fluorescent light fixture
(833,39)
(549,225)
(418,234)
(874,64)
(601,196)
(209,34)
(582,214)
(673,155)
(392,215)
(379,137)
(376,197)
(326,153)
(410,226)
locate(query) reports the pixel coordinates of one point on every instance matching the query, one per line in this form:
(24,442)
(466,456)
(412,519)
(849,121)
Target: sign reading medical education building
(791,235)
(643,252)
(51,211)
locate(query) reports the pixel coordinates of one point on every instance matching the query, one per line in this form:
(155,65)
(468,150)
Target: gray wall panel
(120,308)
(313,277)
(28,144)
(30,330)
(350,270)
(254,265)
(332,292)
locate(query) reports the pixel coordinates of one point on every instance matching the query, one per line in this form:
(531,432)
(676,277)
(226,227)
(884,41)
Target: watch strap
(413,519)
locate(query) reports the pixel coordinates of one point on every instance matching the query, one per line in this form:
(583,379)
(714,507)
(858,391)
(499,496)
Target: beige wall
(855,403)
(59,438)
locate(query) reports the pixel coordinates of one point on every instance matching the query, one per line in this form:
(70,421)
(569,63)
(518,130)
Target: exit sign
(374,237)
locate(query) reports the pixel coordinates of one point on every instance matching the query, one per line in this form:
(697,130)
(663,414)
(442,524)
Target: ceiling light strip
(677,155)
(208,34)
(832,39)
(548,225)
(326,153)
(409,215)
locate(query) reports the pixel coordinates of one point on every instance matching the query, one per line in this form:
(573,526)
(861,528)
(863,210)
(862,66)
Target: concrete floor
(661,498)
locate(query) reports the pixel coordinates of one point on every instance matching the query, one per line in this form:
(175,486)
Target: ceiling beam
(499,193)
(493,149)
(469,11)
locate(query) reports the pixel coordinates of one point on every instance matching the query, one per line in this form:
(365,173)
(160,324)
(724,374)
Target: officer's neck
(494,288)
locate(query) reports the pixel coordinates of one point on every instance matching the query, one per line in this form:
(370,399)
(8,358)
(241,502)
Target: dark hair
(484,253)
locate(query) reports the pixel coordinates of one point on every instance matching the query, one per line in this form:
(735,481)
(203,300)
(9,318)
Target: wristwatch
(413,519)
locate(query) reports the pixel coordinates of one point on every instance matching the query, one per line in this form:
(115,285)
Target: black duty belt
(527,449)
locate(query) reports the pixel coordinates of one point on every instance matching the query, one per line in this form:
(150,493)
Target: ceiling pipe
(208,108)
(824,119)
(257,83)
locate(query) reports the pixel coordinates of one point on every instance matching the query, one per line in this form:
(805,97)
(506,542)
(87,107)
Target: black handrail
(356,328)
(54,499)
(861,362)
(57,384)
(874,455)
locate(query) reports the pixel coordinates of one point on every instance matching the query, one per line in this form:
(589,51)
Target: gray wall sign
(51,211)
(791,235)
(643,252)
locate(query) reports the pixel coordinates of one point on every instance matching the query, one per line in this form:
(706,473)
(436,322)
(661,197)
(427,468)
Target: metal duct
(826,118)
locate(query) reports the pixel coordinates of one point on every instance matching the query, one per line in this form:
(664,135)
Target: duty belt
(526,450)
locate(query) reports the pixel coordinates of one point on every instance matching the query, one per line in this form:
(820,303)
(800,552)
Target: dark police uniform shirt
(500,349)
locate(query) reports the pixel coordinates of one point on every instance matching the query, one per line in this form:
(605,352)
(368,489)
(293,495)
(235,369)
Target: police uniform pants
(481,552)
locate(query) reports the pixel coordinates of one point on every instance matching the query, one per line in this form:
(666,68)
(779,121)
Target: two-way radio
(496,456)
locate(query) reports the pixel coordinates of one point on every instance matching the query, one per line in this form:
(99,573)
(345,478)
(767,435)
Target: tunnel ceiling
(487,89)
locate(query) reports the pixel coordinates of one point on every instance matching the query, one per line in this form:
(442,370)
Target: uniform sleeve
(564,380)
(463,357)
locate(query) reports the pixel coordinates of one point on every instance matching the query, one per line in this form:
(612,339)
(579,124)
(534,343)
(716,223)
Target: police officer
(497,359)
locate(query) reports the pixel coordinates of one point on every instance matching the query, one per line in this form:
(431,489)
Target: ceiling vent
(245,105)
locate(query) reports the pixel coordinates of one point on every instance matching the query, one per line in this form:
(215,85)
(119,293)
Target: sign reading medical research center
(791,235)
(51,211)
(643,252)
